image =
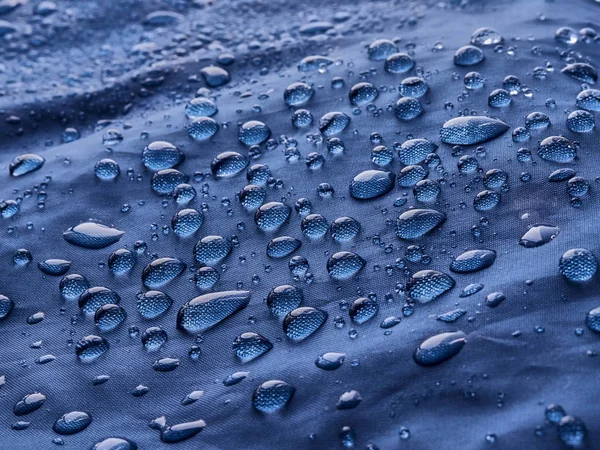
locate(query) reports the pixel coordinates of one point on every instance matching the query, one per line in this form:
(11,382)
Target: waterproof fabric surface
(96,61)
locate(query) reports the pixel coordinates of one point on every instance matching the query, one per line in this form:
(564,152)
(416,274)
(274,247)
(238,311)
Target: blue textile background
(86,72)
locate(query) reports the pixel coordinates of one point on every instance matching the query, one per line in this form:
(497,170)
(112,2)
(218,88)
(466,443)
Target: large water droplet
(539,235)
(282,300)
(344,265)
(371,184)
(208,310)
(25,164)
(415,223)
(427,285)
(578,265)
(90,348)
(29,403)
(557,149)
(272,395)
(440,348)
(473,261)
(470,130)
(152,304)
(249,346)
(160,271)
(72,422)
(302,322)
(160,155)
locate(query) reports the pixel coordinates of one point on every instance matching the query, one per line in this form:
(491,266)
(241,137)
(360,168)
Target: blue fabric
(498,384)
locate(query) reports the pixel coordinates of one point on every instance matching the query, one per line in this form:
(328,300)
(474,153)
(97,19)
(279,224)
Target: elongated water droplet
(208,310)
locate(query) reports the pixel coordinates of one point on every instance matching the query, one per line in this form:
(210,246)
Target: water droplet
(302,322)
(363,309)
(371,184)
(208,310)
(539,235)
(121,261)
(202,128)
(115,443)
(473,261)
(154,338)
(215,76)
(272,395)
(330,361)
(582,72)
(581,121)
(314,226)
(344,265)
(572,431)
(578,265)
(282,300)
(107,169)
(486,36)
(206,277)
(486,200)
(55,267)
(427,285)
(186,222)
(282,246)
(253,132)
(72,422)
(363,93)
(90,348)
(468,55)
(415,223)
(25,164)
(589,99)
(272,215)
(200,107)
(249,346)
(499,98)
(109,316)
(28,404)
(408,108)
(344,229)
(297,94)
(152,304)
(381,49)
(6,306)
(349,400)
(557,149)
(333,123)
(160,155)
(398,63)
(439,348)
(166,180)
(161,271)
(470,130)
